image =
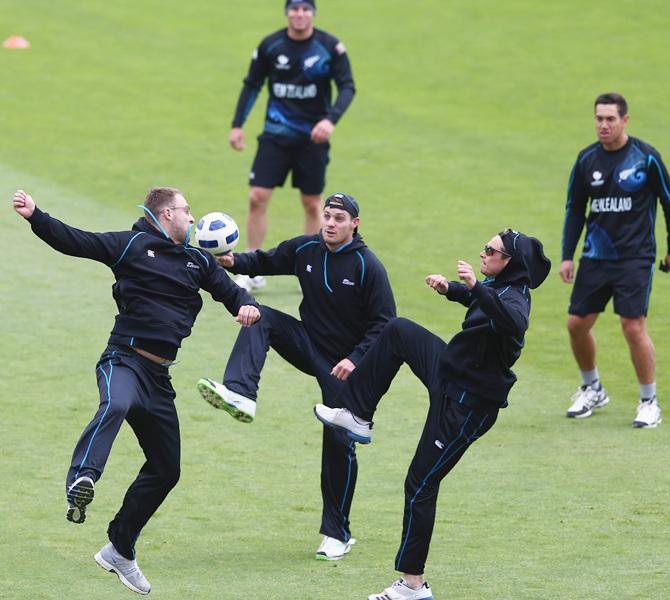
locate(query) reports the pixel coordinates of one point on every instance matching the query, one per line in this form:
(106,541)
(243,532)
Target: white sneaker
(342,418)
(333,549)
(585,399)
(399,590)
(648,414)
(79,496)
(127,570)
(251,283)
(219,396)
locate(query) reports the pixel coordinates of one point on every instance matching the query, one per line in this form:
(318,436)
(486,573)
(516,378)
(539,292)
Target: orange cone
(16,42)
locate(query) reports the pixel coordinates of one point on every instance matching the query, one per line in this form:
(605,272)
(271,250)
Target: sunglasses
(490,251)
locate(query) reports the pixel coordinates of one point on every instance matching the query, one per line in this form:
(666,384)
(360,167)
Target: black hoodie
(347,297)
(157,280)
(477,361)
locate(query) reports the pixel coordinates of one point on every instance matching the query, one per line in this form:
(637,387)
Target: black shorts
(627,281)
(277,155)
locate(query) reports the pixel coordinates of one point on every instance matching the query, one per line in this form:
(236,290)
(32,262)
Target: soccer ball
(217,233)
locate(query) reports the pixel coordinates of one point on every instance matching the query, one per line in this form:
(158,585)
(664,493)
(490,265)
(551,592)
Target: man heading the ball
(158,276)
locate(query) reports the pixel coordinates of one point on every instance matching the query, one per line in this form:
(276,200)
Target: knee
(259,199)
(577,326)
(117,409)
(311,204)
(170,477)
(634,329)
(397,327)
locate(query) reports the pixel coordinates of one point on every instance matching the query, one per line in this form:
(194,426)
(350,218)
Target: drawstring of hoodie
(187,237)
(325,265)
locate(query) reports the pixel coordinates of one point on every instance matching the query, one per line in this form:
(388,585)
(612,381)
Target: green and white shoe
(333,549)
(219,396)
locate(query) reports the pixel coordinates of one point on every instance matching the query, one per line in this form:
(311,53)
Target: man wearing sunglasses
(300,63)
(158,276)
(619,178)
(468,382)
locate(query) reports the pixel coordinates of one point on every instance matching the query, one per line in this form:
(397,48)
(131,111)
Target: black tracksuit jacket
(347,297)
(157,281)
(477,362)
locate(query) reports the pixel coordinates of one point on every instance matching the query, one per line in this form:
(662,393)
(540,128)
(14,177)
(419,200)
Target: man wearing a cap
(347,300)
(300,63)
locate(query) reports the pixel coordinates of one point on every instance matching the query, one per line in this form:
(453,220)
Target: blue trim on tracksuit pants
(137,390)
(451,426)
(289,338)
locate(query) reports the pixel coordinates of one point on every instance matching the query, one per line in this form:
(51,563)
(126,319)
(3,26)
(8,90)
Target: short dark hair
(159,197)
(613,98)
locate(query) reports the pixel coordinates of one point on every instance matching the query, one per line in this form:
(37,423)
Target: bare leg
(257,219)
(312,206)
(582,341)
(642,351)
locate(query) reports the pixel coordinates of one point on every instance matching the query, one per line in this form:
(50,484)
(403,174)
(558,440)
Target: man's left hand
(466,274)
(248,315)
(343,369)
(665,264)
(322,131)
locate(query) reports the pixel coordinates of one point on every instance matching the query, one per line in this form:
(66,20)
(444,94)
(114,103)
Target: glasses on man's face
(186,208)
(490,251)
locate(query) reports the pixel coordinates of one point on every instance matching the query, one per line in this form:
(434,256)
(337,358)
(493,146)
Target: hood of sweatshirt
(528,264)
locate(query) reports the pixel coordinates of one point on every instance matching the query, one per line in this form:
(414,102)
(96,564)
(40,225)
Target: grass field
(467,120)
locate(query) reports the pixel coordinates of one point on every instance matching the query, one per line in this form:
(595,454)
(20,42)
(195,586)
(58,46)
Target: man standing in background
(622,177)
(299,62)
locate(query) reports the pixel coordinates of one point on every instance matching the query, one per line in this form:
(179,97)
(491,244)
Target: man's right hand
(23,204)
(438,282)
(236,139)
(248,315)
(567,271)
(226,260)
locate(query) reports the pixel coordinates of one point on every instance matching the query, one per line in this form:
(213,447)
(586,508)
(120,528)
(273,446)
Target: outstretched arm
(106,248)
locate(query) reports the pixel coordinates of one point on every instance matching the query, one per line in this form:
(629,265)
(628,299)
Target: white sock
(590,377)
(647,391)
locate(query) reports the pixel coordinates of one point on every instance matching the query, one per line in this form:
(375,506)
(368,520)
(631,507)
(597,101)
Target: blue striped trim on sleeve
(132,239)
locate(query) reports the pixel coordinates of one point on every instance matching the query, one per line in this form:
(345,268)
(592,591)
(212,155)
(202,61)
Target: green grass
(467,120)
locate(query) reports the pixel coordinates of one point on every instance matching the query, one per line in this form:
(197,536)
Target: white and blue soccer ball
(217,233)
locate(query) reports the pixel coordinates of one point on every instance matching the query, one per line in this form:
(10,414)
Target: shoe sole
(109,567)
(350,434)
(641,425)
(383,596)
(324,556)
(79,498)
(213,398)
(321,556)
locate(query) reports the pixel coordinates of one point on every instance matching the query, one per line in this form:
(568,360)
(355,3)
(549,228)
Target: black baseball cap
(343,202)
(290,3)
